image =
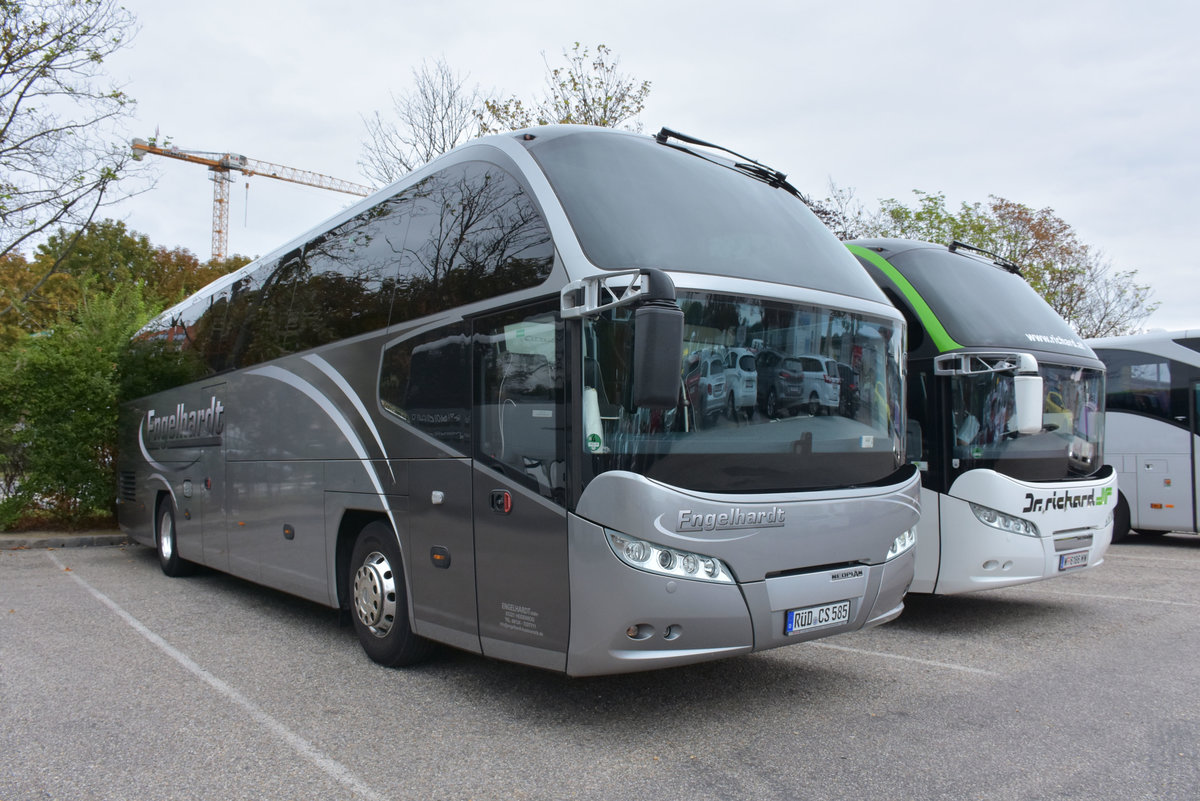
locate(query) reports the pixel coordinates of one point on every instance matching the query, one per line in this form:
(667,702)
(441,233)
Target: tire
(379,600)
(814,404)
(1120,518)
(167,542)
(772,407)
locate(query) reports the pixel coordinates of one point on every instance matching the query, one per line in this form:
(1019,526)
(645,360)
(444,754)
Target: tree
(438,114)
(442,111)
(58,155)
(1078,283)
(586,91)
(99,258)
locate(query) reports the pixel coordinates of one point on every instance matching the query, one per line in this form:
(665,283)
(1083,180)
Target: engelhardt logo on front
(732,520)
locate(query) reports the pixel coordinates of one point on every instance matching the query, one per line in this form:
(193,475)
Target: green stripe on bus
(933,326)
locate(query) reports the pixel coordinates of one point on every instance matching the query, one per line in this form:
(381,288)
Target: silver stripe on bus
(339,420)
(341,383)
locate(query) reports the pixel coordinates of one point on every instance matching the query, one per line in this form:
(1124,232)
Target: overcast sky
(1090,109)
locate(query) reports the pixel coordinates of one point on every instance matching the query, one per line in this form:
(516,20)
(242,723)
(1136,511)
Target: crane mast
(220,165)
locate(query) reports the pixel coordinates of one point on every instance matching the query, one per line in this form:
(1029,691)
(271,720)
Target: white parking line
(929,662)
(330,766)
(1125,557)
(1119,598)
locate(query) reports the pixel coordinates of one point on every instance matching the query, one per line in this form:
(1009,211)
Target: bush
(58,412)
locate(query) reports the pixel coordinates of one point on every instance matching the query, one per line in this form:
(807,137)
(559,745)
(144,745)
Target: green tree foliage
(1078,282)
(586,90)
(63,361)
(58,420)
(100,258)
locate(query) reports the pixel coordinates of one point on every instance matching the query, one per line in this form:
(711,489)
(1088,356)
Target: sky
(1089,109)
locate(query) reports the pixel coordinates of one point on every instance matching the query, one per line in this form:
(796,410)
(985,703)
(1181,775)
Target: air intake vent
(127,485)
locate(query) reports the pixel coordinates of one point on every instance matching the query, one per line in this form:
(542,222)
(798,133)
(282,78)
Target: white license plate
(1069,560)
(814,617)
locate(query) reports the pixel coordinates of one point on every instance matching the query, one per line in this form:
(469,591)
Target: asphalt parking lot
(119,683)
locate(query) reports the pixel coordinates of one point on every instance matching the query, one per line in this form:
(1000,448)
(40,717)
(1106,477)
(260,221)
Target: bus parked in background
(458,410)
(1005,421)
(1152,425)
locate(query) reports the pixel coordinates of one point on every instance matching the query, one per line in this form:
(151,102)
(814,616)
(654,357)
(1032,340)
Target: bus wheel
(168,544)
(1120,518)
(379,600)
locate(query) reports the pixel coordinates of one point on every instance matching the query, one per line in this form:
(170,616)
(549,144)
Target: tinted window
(1148,384)
(635,203)
(473,233)
(982,305)
(519,399)
(426,382)
(467,233)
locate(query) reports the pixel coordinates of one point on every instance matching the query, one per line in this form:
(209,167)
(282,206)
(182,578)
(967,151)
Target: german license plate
(814,617)
(1069,560)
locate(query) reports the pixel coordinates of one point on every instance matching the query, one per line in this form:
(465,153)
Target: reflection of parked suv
(704,380)
(741,382)
(789,382)
(822,382)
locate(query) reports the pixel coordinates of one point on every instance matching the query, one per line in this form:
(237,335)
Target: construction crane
(221,164)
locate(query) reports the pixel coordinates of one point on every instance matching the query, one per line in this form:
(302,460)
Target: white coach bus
(1005,421)
(458,411)
(1152,429)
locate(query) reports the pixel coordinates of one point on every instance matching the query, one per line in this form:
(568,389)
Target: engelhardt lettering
(186,424)
(735,518)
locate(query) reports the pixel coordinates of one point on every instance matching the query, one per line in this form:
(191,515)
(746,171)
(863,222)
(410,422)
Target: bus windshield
(773,396)
(1069,444)
(634,203)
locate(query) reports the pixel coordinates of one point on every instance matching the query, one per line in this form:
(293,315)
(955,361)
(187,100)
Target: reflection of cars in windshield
(704,381)
(741,382)
(792,382)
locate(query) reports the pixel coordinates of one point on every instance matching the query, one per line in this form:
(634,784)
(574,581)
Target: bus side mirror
(1027,388)
(657,345)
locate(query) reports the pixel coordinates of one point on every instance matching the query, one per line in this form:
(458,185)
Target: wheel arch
(354,521)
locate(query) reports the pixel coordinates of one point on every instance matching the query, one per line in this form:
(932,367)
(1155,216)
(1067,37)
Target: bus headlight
(901,544)
(664,561)
(1004,522)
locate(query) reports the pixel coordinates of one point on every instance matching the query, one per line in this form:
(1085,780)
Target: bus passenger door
(519,487)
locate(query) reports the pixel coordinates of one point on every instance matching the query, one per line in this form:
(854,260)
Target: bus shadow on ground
(993,612)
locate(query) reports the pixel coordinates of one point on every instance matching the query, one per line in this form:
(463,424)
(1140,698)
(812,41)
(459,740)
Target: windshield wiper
(747,165)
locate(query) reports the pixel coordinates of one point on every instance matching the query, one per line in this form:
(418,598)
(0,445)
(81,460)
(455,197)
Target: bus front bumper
(625,620)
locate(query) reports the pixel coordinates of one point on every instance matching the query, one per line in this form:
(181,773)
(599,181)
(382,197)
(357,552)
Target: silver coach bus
(462,410)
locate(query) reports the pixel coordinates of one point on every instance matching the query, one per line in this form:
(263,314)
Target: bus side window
(426,380)
(520,399)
